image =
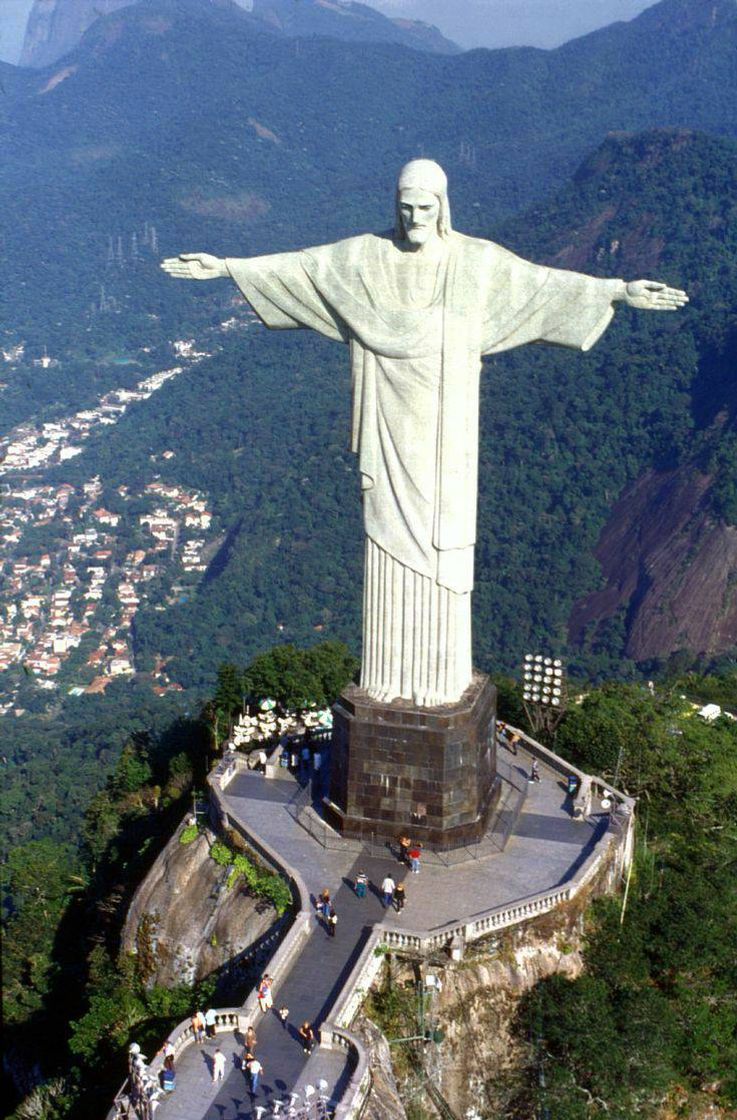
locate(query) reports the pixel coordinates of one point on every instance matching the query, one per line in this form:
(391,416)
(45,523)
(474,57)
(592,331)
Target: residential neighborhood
(67,605)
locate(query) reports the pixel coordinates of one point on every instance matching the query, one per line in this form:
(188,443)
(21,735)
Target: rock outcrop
(56,26)
(670,565)
(184,924)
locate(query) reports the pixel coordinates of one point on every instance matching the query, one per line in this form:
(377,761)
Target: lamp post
(543,692)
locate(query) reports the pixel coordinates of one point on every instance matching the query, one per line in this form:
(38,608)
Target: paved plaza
(544,849)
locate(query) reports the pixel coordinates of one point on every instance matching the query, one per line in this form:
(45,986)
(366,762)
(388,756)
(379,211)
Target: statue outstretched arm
(651,295)
(195,266)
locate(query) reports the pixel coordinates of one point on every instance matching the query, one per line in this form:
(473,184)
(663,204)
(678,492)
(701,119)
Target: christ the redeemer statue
(418,308)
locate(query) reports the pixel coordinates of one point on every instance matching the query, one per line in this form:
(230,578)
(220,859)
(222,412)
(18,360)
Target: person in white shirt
(387,889)
(218,1065)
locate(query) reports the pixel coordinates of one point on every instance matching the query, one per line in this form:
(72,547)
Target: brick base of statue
(429,772)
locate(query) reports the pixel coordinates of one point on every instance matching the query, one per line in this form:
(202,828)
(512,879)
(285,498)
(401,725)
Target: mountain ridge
(55,27)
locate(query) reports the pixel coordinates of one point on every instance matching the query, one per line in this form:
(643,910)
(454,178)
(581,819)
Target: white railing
(335,1032)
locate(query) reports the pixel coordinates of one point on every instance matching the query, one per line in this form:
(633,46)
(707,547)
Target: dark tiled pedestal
(430,771)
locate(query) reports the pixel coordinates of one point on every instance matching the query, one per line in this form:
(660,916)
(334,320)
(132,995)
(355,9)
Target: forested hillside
(562,434)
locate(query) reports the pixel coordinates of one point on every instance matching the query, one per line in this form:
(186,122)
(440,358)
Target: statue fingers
(175,267)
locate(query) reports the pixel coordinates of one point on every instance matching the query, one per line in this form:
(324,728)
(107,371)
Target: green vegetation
(654,1017)
(70,1001)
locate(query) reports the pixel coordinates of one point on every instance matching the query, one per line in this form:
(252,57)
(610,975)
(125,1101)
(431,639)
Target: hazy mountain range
(56,26)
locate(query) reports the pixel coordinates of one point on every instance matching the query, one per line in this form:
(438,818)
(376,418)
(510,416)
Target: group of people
(326,911)
(392,894)
(410,853)
(250,1063)
(510,739)
(203,1024)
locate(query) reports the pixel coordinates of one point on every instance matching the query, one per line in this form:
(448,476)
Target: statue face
(420,211)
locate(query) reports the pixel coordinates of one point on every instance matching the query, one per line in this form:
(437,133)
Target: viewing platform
(535,856)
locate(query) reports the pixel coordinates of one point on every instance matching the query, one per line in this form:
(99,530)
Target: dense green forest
(650,1029)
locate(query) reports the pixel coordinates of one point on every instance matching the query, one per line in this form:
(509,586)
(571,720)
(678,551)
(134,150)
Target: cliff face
(55,26)
(183,924)
(670,566)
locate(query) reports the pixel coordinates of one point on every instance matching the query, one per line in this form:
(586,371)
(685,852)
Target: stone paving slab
(545,849)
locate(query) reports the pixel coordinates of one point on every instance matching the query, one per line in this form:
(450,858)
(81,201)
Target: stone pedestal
(428,771)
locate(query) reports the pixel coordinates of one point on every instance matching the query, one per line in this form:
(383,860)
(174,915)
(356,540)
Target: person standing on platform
(361,884)
(307,1037)
(534,771)
(283,1014)
(210,1022)
(255,1069)
(251,1039)
(265,997)
(332,921)
(414,858)
(198,1027)
(218,1065)
(399,898)
(387,890)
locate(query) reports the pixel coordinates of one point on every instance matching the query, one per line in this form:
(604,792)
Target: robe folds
(415,374)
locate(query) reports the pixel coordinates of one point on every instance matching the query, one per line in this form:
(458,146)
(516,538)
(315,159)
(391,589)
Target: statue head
(422,202)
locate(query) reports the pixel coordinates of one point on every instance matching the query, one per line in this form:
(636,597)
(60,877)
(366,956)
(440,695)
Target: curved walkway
(544,850)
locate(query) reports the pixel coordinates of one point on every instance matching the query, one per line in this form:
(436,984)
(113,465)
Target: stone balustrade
(358,1087)
(617,842)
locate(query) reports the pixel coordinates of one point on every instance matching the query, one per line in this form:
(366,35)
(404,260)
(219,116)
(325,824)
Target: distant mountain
(56,26)
(223,131)
(350,21)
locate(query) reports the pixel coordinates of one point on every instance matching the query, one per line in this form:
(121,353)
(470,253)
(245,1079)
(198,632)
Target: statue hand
(650,295)
(195,266)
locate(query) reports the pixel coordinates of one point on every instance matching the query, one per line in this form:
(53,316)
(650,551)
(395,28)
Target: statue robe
(415,370)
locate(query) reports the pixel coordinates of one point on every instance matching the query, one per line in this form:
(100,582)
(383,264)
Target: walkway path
(545,849)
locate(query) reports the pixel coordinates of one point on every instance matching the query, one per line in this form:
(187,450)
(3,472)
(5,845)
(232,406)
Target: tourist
(283,1014)
(307,1037)
(218,1065)
(198,1027)
(404,846)
(512,742)
(305,759)
(210,1022)
(361,884)
(265,997)
(399,897)
(387,890)
(168,1051)
(251,1039)
(332,920)
(414,858)
(255,1069)
(534,771)
(323,903)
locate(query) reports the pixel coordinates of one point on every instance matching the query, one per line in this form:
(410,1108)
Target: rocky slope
(56,26)
(184,924)
(670,565)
